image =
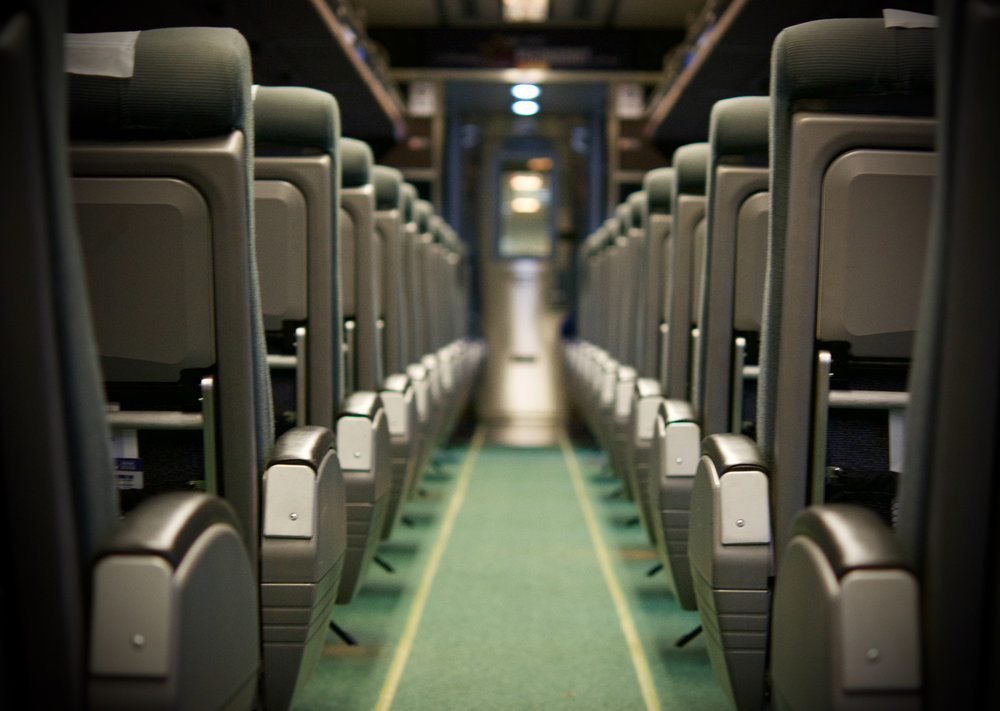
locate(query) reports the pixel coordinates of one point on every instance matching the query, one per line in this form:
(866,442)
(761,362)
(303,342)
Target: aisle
(500,600)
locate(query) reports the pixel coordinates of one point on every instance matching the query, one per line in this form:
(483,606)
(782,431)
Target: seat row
(746,324)
(231,313)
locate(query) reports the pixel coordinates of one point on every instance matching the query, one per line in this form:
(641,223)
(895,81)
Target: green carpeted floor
(507,606)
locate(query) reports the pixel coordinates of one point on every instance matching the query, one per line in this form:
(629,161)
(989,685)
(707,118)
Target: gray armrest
(364,449)
(731,563)
(362,403)
(647,387)
(306,444)
(681,437)
(677,411)
(356,426)
(174,610)
(846,618)
(396,395)
(647,395)
(677,445)
(397,382)
(168,525)
(304,522)
(851,537)
(625,377)
(420,379)
(301,481)
(732,453)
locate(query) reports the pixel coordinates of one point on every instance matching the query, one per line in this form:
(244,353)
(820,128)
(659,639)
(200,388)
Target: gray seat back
(624,284)
(297,195)
(611,258)
(605,296)
(690,172)
(738,136)
(389,223)
(586,288)
(80,560)
(879,65)
(437,273)
(358,257)
(422,257)
(659,187)
(637,205)
(411,304)
(304,516)
(162,156)
(751,258)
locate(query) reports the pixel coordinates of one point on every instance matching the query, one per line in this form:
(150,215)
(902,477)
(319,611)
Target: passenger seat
(156,609)
(363,440)
(162,160)
(851,170)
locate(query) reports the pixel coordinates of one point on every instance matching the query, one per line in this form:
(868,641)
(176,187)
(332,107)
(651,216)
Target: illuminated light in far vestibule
(525,205)
(524,108)
(526,182)
(525,10)
(525,91)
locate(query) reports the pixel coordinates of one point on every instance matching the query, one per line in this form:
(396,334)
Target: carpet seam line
(634,644)
(398,665)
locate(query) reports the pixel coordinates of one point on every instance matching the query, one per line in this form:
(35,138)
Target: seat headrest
(739,126)
(296,115)
(851,58)
(436,228)
(638,204)
(623,218)
(449,238)
(731,452)
(388,187)
(690,169)
(356,162)
(611,228)
(422,212)
(186,82)
(397,382)
(410,197)
(659,188)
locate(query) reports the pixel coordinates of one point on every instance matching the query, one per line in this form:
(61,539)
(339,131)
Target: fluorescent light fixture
(526,205)
(525,10)
(525,91)
(524,108)
(526,182)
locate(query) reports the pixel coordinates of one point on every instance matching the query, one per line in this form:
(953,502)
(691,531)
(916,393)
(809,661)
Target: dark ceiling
(315,43)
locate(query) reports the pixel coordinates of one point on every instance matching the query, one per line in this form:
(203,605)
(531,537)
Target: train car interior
(500,354)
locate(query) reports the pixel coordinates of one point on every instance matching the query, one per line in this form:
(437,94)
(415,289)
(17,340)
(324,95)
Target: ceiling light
(526,182)
(525,10)
(525,91)
(524,108)
(526,205)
